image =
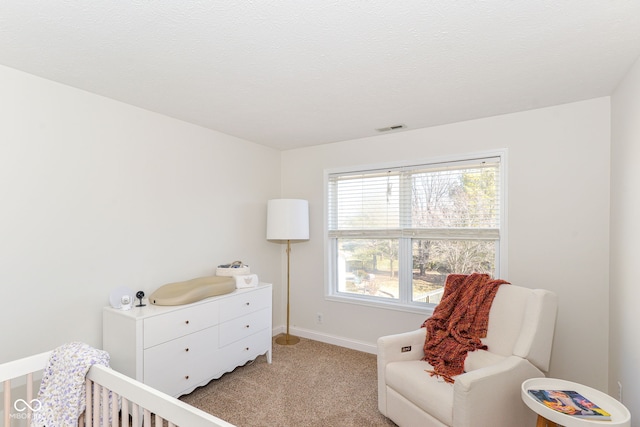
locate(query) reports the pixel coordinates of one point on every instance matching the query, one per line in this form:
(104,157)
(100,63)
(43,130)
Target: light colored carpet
(308,384)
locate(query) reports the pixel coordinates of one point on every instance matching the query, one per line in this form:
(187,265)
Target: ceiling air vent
(390,128)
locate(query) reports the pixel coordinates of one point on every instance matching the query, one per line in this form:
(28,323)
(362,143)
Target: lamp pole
(288,339)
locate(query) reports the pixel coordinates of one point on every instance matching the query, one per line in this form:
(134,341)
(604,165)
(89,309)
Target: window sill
(385,305)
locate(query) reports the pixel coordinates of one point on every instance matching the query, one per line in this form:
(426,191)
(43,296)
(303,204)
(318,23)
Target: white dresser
(178,348)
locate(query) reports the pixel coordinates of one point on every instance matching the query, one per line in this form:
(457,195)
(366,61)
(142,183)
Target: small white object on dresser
(178,348)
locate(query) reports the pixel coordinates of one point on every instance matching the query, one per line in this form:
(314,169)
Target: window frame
(330,257)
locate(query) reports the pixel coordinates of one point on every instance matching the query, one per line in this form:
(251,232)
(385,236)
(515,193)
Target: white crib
(140,404)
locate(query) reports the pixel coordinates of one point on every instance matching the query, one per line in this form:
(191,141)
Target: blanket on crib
(62,391)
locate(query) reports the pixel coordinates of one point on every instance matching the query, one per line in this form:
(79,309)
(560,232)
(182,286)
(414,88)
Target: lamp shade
(287,219)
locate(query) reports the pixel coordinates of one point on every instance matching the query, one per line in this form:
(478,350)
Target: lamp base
(285,339)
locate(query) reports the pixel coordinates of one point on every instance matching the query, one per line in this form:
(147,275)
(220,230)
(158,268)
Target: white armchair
(519,339)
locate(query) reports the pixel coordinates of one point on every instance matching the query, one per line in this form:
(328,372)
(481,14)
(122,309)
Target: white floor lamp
(287,220)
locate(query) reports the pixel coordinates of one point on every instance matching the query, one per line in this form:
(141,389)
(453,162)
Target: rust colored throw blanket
(459,322)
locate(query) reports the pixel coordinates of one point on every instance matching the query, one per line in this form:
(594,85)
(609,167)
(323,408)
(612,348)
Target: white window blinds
(434,201)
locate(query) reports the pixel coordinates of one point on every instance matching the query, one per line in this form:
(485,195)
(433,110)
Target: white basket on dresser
(178,348)
(233,271)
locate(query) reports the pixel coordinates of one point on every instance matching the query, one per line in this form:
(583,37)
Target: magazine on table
(570,402)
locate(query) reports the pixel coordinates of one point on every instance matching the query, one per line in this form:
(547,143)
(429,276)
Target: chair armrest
(475,393)
(405,346)
(394,348)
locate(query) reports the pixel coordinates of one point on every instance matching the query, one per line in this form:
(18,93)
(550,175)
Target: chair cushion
(480,359)
(431,394)
(505,319)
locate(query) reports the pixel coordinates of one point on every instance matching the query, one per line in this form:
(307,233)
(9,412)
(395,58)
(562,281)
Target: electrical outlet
(619,391)
(319,318)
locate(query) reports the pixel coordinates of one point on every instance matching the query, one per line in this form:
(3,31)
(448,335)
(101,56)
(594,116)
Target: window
(395,233)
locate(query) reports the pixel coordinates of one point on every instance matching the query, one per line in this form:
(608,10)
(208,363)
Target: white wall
(558,213)
(624,364)
(96,194)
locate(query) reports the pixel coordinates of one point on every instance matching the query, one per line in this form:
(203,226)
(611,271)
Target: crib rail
(138,405)
(21,369)
(142,402)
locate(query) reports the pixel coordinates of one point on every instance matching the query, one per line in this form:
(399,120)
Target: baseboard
(329,339)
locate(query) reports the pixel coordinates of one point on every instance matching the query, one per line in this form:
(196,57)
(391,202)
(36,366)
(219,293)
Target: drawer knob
(186,349)
(186,322)
(248,303)
(246,349)
(186,377)
(247,326)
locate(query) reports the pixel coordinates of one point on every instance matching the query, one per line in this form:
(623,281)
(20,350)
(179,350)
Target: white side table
(620,415)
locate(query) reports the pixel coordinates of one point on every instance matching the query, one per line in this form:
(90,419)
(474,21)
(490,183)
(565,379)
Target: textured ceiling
(297,73)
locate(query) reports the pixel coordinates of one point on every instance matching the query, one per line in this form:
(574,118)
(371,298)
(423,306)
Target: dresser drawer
(182,363)
(241,327)
(245,302)
(240,352)
(159,329)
